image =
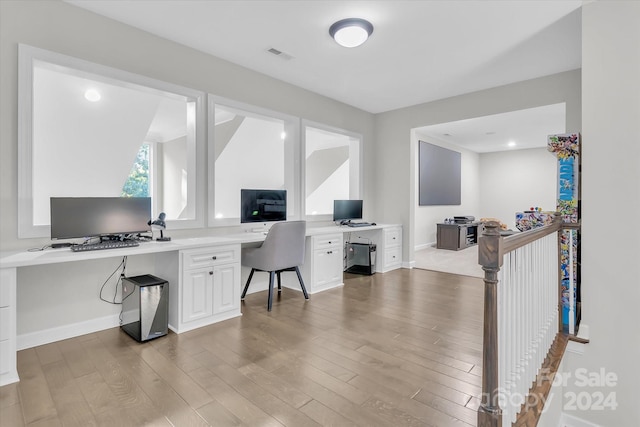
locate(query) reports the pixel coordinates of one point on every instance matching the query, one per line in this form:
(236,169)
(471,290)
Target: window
(332,168)
(138,181)
(254,149)
(86,130)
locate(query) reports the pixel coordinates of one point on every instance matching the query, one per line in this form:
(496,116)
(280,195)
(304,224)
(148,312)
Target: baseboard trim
(567,420)
(424,246)
(59,333)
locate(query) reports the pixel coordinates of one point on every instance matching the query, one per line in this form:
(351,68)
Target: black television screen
(73,217)
(347,209)
(440,175)
(263,205)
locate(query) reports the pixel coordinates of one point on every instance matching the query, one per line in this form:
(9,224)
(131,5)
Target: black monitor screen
(73,217)
(263,205)
(347,209)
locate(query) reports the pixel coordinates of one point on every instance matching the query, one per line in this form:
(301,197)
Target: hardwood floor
(396,349)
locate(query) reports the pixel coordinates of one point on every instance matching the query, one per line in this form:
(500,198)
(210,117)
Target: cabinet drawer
(393,236)
(197,258)
(392,256)
(328,241)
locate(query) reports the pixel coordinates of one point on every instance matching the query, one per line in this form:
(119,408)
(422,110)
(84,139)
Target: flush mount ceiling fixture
(351,32)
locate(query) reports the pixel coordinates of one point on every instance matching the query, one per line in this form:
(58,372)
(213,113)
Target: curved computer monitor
(263,205)
(346,210)
(76,217)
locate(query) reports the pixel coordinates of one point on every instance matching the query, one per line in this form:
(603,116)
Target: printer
(468,219)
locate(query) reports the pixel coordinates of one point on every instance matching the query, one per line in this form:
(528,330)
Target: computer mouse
(373,223)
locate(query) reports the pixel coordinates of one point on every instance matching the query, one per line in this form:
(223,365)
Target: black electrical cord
(39,249)
(123,265)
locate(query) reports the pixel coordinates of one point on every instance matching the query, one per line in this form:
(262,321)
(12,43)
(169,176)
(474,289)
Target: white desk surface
(9,259)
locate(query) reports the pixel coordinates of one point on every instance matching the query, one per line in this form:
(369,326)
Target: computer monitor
(76,217)
(263,205)
(346,210)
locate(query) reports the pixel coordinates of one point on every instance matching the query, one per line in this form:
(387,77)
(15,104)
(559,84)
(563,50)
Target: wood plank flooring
(402,348)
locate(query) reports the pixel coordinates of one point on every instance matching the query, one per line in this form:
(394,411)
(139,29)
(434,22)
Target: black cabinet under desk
(455,236)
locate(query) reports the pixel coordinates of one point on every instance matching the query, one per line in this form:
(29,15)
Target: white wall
(87,140)
(174,170)
(263,168)
(610,192)
(513,181)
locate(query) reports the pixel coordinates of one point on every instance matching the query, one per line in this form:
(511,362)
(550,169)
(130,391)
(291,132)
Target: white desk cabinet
(392,252)
(323,265)
(206,286)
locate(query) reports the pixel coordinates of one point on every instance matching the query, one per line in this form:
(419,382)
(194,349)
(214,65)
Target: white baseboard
(567,420)
(59,333)
(424,246)
(576,347)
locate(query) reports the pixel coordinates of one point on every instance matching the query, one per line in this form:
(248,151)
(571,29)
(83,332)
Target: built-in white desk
(204,275)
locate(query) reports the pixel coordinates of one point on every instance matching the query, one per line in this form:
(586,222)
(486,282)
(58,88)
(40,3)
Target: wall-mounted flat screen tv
(76,217)
(263,205)
(440,175)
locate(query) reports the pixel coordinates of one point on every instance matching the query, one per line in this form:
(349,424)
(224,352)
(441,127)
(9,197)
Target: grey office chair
(282,250)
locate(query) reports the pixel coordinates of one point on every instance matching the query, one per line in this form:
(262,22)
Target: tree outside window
(137,184)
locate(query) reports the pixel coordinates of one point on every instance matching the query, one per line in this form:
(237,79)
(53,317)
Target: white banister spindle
(527,312)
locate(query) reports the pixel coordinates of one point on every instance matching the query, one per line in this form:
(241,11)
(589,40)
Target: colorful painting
(566,148)
(531,219)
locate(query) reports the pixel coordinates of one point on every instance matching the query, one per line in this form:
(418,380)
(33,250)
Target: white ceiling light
(511,144)
(351,32)
(92,95)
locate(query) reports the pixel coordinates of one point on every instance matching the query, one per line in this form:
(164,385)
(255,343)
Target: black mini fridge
(360,258)
(145,307)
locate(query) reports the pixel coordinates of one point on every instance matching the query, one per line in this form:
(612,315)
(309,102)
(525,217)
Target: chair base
(272,275)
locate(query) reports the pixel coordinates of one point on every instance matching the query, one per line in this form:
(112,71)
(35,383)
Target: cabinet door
(226,288)
(448,237)
(197,294)
(327,267)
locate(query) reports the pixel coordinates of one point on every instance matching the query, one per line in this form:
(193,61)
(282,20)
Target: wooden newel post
(490,258)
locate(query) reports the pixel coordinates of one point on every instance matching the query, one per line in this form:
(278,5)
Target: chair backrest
(284,245)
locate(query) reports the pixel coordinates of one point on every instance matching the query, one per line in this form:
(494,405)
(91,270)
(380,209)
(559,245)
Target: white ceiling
(419,51)
(524,128)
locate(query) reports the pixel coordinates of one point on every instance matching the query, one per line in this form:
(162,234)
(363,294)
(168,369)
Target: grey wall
(395,149)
